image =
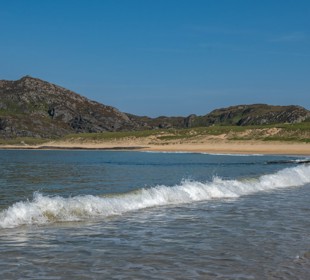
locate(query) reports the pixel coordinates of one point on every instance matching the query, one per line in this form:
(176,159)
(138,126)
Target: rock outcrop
(256,114)
(161,122)
(35,108)
(32,107)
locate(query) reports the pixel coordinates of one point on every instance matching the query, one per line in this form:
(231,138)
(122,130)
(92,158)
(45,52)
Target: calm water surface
(136,215)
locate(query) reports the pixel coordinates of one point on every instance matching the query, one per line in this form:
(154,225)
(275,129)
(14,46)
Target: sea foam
(45,209)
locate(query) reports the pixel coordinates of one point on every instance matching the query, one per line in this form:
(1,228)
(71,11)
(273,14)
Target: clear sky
(162,57)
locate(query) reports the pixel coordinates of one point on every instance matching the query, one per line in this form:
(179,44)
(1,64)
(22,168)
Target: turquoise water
(139,215)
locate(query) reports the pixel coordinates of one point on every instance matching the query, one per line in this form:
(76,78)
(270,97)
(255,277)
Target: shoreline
(212,147)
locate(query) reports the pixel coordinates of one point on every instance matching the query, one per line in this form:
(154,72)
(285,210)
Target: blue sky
(162,57)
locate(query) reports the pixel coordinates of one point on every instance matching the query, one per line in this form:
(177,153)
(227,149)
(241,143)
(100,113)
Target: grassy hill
(33,108)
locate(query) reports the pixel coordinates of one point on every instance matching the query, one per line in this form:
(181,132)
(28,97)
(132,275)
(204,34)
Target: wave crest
(44,209)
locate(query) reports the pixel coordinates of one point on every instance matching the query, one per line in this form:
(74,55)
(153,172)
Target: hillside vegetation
(31,107)
(34,109)
(282,132)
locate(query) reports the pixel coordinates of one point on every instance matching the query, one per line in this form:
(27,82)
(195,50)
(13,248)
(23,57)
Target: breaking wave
(45,209)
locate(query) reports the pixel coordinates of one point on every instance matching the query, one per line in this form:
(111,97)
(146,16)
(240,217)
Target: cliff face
(32,107)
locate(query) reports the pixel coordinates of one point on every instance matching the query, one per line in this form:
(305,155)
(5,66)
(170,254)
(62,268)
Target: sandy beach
(239,148)
(216,146)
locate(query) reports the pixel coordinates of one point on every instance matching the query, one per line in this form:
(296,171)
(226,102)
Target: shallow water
(136,215)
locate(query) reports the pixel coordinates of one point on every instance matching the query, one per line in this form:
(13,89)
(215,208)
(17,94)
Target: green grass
(112,135)
(174,137)
(288,132)
(304,126)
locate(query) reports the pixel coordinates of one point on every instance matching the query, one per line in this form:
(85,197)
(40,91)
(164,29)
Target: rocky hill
(241,115)
(32,107)
(256,114)
(161,122)
(35,108)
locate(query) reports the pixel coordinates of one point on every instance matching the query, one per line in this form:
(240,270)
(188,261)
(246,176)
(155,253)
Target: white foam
(44,209)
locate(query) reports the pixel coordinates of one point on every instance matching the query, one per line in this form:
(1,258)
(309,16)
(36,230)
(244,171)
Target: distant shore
(214,147)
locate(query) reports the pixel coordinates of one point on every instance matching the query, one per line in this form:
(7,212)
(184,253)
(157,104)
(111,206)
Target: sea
(146,215)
